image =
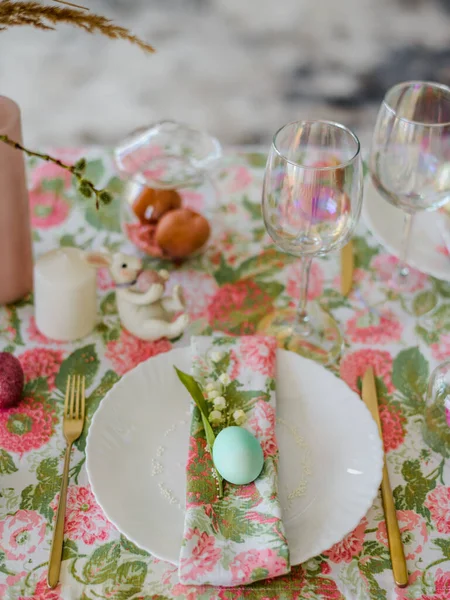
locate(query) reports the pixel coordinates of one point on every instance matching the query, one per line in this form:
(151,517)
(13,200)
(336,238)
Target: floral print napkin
(239,538)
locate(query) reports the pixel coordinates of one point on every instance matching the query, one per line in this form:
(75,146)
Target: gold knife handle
(393,533)
(54,565)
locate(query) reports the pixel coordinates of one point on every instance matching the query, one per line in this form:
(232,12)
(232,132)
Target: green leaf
(67,240)
(196,393)
(410,373)
(92,403)
(36,388)
(258,233)
(132,548)
(94,171)
(108,305)
(53,185)
(416,488)
(267,263)
(26,502)
(224,273)
(376,593)
(363,253)
(70,550)
(115,186)
(234,525)
(435,429)
(444,545)
(102,564)
(6,463)
(332,299)
(129,579)
(424,302)
(254,208)
(105,217)
(272,288)
(441,318)
(373,548)
(429,337)
(442,287)
(257,160)
(49,483)
(83,361)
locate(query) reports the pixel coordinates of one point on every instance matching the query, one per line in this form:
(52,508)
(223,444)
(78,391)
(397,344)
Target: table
(229,289)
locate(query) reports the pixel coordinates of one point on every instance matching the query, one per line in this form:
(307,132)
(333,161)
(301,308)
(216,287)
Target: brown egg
(151,204)
(181,232)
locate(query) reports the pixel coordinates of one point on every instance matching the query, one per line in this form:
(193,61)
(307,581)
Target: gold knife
(347,266)
(369,395)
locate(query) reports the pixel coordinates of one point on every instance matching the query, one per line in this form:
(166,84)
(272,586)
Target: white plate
(330,455)
(385,221)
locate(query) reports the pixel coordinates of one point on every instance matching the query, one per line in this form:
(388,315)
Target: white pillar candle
(65,294)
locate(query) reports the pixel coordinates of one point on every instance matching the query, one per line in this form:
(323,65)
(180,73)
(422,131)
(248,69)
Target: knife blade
(347,266)
(399,568)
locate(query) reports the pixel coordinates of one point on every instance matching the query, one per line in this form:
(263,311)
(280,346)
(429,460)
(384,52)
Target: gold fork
(72,426)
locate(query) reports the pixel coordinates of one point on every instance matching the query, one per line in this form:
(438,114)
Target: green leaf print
(442,287)
(273,288)
(332,299)
(128,580)
(6,463)
(132,548)
(83,361)
(416,488)
(234,526)
(410,373)
(94,171)
(224,273)
(254,208)
(266,264)
(38,497)
(256,160)
(106,217)
(102,564)
(108,305)
(444,545)
(363,252)
(429,337)
(92,403)
(376,593)
(441,318)
(424,302)
(36,388)
(26,502)
(70,550)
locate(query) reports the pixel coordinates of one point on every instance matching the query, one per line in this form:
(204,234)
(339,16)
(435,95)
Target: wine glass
(311,203)
(410,155)
(436,426)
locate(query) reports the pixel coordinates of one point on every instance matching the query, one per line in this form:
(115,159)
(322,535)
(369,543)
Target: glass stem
(303,323)
(403,268)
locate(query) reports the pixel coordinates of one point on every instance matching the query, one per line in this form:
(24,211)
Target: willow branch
(85,187)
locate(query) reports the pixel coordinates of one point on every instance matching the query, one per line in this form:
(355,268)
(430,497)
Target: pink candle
(16,262)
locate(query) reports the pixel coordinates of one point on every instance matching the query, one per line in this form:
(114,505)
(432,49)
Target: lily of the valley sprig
(210,397)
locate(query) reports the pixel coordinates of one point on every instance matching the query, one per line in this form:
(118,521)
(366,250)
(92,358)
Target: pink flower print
(441,350)
(245,563)
(47,209)
(43,592)
(392,423)
(104,279)
(128,351)
(239,179)
(203,555)
(316,279)
(262,424)
(403,593)
(198,289)
(13,580)
(41,362)
(142,235)
(235,365)
(21,534)
(354,365)
(84,518)
(438,503)
(414,533)
(374,327)
(441,585)
(350,546)
(25,427)
(236,308)
(385,264)
(259,353)
(193,200)
(189,592)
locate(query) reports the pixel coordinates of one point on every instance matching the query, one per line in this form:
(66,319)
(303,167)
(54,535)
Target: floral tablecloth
(230,288)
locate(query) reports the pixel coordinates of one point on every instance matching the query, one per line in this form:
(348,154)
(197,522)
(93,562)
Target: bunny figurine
(146,314)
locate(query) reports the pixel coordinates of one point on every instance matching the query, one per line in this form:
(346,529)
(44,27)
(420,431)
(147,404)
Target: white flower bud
(216,356)
(220,402)
(215,416)
(225,379)
(239,417)
(213,394)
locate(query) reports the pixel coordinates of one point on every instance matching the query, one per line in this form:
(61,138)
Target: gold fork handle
(393,532)
(54,565)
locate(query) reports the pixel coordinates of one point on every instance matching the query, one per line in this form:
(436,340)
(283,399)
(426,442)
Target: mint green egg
(237,455)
